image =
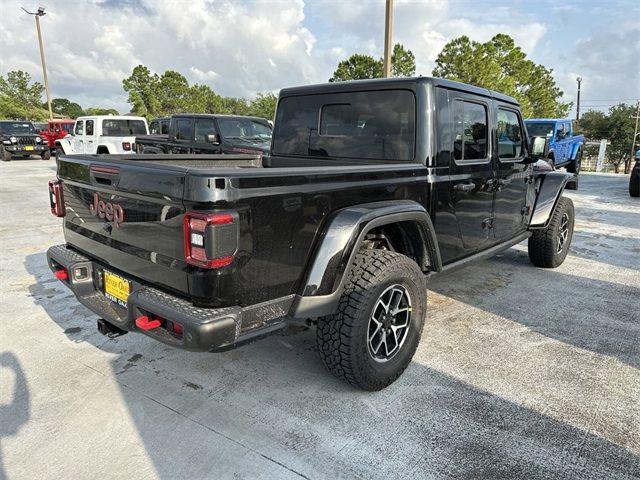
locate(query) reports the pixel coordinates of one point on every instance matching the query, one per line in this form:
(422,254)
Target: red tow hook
(61,274)
(145,323)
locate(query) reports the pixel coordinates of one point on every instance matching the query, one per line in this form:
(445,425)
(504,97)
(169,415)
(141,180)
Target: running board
(490,252)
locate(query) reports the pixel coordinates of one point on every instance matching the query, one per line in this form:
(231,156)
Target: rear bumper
(203,329)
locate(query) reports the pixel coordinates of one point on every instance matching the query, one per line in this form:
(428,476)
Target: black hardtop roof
(214,115)
(384,83)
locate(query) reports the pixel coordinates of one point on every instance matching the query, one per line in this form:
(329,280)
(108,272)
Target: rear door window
(89,127)
(470,139)
(183,129)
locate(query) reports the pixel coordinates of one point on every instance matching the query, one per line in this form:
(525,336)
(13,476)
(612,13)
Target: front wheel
(46,155)
(549,247)
(6,156)
(59,152)
(373,336)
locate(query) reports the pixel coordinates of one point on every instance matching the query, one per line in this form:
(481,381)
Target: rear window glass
(540,129)
(377,125)
(123,128)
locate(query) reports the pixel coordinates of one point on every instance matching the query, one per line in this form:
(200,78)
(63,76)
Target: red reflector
(56,198)
(221,262)
(126,146)
(145,323)
(61,274)
(177,328)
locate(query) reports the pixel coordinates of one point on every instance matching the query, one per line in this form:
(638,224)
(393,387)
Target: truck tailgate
(127,215)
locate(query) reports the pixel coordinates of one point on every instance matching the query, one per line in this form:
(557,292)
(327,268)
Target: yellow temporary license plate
(116,288)
(28,147)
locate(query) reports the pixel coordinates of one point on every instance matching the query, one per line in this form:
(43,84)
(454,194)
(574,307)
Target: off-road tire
(59,152)
(342,338)
(574,165)
(46,155)
(6,156)
(634,183)
(544,244)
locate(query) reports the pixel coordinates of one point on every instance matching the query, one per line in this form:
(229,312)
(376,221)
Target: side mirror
(538,149)
(212,138)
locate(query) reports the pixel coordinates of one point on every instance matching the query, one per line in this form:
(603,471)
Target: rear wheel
(634,183)
(46,155)
(59,152)
(6,156)
(574,166)
(549,247)
(374,334)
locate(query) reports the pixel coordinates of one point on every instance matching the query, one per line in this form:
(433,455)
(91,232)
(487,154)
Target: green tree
(101,111)
(142,88)
(235,106)
(65,108)
(264,105)
(617,126)
(621,126)
(359,66)
(20,98)
(502,66)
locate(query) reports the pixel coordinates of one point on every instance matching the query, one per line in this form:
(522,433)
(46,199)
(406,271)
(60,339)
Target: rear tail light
(126,146)
(210,240)
(56,199)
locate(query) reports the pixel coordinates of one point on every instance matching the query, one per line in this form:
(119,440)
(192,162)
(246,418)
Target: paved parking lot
(521,373)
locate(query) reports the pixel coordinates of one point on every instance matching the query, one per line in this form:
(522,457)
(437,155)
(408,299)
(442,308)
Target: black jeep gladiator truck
(208,134)
(21,138)
(372,187)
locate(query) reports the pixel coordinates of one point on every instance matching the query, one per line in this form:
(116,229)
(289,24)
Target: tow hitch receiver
(109,329)
(146,323)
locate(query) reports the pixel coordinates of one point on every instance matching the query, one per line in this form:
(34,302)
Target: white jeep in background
(102,134)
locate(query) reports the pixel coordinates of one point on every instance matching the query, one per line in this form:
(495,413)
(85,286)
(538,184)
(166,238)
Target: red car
(56,129)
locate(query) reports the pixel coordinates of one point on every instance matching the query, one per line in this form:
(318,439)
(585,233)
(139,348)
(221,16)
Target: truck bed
(281,211)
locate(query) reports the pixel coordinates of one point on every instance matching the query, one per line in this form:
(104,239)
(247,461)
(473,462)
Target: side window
(204,127)
(79,128)
(510,138)
(567,130)
(154,128)
(164,128)
(183,129)
(560,132)
(470,131)
(89,127)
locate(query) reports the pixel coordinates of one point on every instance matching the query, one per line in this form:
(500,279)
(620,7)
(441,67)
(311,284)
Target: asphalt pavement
(521,373)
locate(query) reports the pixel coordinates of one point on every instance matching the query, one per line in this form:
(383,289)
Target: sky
(240,48)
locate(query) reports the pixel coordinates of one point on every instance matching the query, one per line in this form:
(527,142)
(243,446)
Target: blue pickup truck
(565,148)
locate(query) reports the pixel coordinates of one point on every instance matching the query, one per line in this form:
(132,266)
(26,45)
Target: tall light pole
(579,80)
(388,29)
(38,14)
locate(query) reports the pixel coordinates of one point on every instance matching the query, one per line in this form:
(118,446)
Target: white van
(103,134)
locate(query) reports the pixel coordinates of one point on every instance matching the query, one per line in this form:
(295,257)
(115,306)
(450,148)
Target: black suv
(21,138)
(203,133)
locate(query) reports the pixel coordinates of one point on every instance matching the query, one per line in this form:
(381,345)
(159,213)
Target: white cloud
(241,48)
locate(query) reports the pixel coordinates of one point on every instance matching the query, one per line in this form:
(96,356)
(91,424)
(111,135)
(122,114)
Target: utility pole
(38,14)
(579,79)
(627,164)
(388,28)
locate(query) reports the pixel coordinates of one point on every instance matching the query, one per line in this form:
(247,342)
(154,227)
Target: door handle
(464,187)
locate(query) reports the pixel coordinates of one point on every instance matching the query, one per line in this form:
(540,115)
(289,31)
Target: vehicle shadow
(15,404)
(607,216)
(611,329)
(270,410)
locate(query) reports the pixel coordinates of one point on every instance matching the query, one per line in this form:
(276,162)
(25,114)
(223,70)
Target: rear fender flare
(338,245)
(64,144)
(550,190)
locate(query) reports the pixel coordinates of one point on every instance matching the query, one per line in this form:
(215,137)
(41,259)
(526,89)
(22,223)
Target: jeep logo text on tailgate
(107,210)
